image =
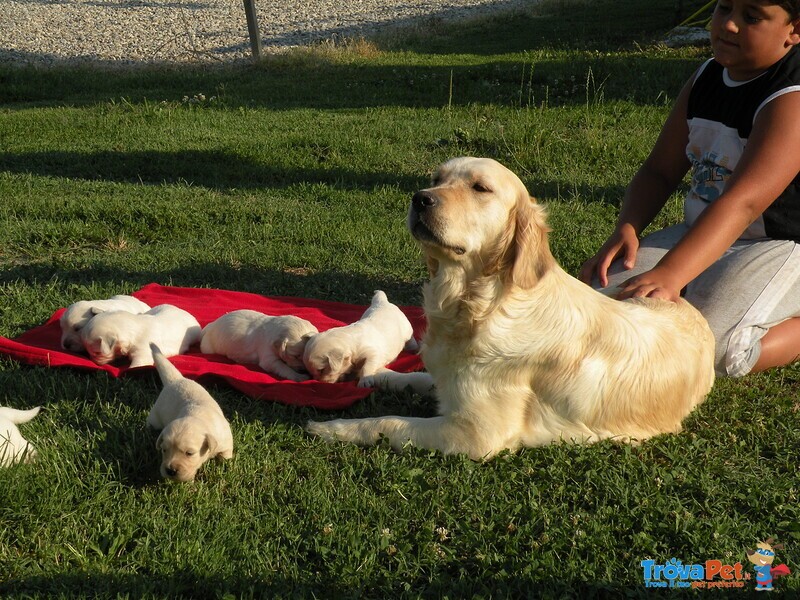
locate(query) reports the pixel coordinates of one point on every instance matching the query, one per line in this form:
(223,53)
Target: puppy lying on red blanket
(42,345)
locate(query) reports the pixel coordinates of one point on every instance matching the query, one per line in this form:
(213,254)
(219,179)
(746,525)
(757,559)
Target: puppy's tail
(166,370)
(17,416)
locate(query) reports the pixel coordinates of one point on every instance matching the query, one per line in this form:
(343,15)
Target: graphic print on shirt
(714,151)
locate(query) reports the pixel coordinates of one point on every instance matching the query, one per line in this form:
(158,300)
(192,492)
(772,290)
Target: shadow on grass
(216,169)
(353,288)
(522,81)
(222,170)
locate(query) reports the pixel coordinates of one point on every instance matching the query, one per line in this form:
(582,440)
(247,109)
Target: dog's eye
(479,187)
(76,328)
(189,453)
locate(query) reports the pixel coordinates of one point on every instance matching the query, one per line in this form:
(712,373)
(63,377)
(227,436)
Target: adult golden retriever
(519,352)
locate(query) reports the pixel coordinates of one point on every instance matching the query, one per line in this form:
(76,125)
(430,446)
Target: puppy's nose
(171,472)
(422,200)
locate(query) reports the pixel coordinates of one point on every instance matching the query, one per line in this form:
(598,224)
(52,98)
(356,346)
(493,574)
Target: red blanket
(42,345)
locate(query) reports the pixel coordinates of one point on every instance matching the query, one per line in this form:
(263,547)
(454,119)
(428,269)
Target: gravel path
(156,31)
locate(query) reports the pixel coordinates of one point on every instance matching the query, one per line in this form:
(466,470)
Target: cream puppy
(275,344)
(363,347)
(13,447)
(78,314)
(194,429)
(113,334)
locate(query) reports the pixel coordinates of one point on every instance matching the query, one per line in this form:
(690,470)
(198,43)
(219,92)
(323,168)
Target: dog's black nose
(171,472)
(423,200)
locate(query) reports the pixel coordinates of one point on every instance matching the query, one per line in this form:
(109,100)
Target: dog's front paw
(326,430)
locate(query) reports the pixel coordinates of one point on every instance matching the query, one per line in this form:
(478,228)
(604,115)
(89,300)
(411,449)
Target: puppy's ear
(160,440)
(279,346)
(339,362)
(96,310)
(358,366)
(304,340)
(529,252)
(296,350)
(107,346)
(209,445)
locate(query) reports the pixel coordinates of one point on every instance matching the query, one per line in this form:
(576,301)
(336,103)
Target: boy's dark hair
(790,6)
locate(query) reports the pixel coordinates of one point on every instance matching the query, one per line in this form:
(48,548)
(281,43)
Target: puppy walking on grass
(13,447)
(194,429)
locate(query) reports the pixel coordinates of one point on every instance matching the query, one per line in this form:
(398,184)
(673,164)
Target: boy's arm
(648,191)
(769,163)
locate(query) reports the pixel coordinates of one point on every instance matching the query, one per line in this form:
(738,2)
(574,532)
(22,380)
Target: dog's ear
(358,365)
(529,254)
(96,310)
(106,346)
(209,445)
(159,440)
(279,346)
(339,361)
(433,266)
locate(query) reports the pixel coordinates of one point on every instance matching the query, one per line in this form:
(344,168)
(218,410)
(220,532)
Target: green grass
(292,177)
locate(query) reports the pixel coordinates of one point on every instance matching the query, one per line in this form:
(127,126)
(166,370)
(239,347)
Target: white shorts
(754,286)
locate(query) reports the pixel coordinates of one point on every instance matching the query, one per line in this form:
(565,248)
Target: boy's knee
(738,356)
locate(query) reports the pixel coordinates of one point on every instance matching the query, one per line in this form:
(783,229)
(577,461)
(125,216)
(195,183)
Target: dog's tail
(166,370)
(17,416)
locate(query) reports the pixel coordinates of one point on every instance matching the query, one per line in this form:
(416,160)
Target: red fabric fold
(42,345)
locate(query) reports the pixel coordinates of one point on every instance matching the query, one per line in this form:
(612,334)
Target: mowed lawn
(292,177)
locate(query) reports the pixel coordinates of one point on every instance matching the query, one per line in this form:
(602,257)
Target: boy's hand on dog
(622,243)
(656,283)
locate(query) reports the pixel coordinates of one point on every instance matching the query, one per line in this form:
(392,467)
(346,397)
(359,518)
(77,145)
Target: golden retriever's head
(185,445)
(479,214)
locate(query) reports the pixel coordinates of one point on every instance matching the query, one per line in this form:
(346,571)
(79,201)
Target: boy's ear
(794,36)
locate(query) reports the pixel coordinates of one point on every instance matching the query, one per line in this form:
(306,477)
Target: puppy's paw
(411,346)
(382,379)
(30,455)
(368,381)
(142,361)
